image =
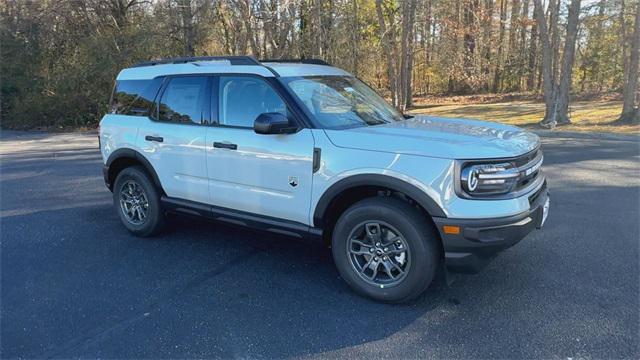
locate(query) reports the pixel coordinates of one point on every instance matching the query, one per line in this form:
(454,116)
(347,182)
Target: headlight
(488,179)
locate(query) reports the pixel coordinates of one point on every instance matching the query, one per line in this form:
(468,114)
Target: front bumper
(479,240)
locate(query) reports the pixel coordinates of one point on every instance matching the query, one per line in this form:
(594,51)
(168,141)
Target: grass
(586,116)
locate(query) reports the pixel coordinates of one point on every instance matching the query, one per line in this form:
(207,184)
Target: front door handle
(222,145)
(154,138)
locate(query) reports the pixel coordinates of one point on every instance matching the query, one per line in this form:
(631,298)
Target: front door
(268,175)
(174,140)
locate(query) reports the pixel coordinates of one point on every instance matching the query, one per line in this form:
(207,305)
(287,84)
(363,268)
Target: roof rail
(234,60)
(302,61)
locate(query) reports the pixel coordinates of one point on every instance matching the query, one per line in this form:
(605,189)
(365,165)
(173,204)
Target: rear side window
(134,97)
(183,100)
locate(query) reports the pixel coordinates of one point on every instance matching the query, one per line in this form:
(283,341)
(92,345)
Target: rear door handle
(154,138)
(222,145)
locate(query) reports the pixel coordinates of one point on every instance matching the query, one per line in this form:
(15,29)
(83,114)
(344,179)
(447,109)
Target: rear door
(173,139)
(268,175)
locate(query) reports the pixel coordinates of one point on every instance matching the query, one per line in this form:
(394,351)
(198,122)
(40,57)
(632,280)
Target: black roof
(234,60)
(302,61)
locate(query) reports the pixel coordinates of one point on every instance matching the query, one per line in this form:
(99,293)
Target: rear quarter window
(134,97)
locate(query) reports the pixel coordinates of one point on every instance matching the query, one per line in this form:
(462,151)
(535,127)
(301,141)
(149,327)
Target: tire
(135,178)
(416,236)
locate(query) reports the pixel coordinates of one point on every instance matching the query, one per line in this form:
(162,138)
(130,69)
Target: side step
(241,218)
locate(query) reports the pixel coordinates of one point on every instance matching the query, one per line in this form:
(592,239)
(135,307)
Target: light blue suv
(301,148)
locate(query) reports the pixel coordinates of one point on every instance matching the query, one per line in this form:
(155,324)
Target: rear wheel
(138,202)
(385,249)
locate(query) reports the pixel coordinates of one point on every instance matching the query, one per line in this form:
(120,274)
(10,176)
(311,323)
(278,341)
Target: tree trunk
(188,35)
(389,52)
(547,78)
(597,44)
(630,112)
(469,20)
(453,79)
(503,20)
(355,36)
(568,57)
(406,53)
(554,9)
(625,47)
(246,20)
(512,68)
(533,57)
(522,69)
(487,24)
(427,40)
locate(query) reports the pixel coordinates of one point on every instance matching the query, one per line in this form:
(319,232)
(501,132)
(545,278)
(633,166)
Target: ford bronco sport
(305,149)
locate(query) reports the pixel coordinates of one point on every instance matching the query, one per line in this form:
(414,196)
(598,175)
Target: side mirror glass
(272,123)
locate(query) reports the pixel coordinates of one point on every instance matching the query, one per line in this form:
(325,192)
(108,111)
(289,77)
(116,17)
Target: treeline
(60,57)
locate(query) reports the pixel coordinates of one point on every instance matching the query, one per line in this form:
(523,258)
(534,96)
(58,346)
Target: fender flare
(386,181)
(133,154)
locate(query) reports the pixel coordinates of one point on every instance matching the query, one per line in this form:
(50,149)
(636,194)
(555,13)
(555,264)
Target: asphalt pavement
(74,283)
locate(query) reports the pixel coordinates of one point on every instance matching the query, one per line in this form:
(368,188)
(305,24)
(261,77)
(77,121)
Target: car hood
(439,137)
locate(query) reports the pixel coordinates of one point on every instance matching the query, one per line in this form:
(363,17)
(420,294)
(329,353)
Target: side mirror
(272,123)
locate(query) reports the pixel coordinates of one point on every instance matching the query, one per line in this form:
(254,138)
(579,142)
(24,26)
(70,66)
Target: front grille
(529,167)
(527,158)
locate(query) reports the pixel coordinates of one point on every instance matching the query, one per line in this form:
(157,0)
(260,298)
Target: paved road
(76,284)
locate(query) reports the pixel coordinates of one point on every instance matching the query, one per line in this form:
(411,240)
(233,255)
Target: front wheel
(137,202)
(385,249)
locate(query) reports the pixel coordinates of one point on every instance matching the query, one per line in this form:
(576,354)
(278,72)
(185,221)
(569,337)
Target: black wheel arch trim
(385,181)
(133,154)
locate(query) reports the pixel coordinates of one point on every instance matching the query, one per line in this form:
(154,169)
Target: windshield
(338,102)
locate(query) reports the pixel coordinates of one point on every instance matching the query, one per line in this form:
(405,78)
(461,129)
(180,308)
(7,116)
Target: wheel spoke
(360,252)
(392,240)
(396,266)
(373,231)
(375,270)
(396,251)
(388,269)
(366,265)
(358,242)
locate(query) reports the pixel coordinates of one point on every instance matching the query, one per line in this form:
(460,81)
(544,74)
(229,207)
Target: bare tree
(487,25)
(188,33)
(355,37)
(568,57)
(533,57)
(503,20)
(389,50)
(406,54)
(630,112)
(556,95)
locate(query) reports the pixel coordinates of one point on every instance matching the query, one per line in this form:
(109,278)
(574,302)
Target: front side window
(182,100)
(243,98)
(339,102)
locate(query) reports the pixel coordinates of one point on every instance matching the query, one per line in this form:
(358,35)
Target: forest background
(553,63)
